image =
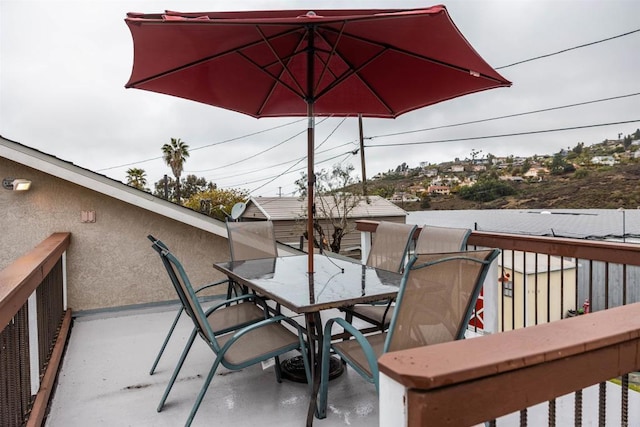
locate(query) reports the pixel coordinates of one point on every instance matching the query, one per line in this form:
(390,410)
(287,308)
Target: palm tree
(137,178)
(174,155)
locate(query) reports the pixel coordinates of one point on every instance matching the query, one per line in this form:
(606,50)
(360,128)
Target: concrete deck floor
(104,380)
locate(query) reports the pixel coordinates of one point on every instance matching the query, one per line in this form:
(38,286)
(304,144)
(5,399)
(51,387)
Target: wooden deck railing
(506,372)
(512,371)
(35,325)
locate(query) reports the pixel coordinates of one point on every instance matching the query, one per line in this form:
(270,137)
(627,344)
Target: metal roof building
(289,216)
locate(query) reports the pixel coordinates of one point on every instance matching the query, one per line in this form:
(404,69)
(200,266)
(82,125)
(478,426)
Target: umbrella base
(293,369)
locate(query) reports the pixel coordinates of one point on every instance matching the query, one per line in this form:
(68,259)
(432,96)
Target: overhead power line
(472,138)
(304,168)
(543,110)
(569,49)
(204,146)
(296,161)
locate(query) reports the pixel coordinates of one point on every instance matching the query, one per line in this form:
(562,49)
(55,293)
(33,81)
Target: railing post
(392,403)
(64,281)
(491,291)
(365,245)
(34,356)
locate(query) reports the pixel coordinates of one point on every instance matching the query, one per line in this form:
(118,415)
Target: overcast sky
(63,66)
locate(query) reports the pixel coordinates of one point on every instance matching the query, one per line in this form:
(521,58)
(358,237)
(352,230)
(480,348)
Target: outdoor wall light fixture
(16,184)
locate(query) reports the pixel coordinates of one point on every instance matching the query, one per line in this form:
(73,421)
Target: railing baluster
(552,413)
(561,287)
(536,287)
(624,401)
(606,285)
(513,290)
(602,404)
(578,409)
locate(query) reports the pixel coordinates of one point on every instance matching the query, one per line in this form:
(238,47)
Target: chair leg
(203,391)
(176,371)
(278,369)
(166,341)
(321,405)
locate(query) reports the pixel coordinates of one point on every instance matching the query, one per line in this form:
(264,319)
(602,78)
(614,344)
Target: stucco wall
(110,262)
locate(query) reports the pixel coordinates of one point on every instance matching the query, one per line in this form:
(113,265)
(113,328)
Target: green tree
(578,148)
(384,191)
(189,186)
(486,190)
(557,164)
(137,178)
(175,155)
(335,204)
(402,168)
(216,202)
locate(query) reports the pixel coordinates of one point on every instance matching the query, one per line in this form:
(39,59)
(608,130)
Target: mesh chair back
(437,298)
(390,245)
(252,240)
(442,239)
(160,248)
(188,297)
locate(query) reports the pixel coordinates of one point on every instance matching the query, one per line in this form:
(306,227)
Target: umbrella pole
(311,176)
(311,179)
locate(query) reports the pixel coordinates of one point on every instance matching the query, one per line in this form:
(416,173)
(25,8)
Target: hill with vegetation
(601,176)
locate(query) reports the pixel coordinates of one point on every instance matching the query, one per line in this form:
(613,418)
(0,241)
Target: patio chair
(434,304)
(223,320)
(432,239)
(252,240)
(389,252)
(236,350)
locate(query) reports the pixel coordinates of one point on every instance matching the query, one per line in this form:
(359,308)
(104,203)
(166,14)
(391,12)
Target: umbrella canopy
(374,63)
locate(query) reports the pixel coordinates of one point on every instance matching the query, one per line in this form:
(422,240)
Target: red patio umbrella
(376,63)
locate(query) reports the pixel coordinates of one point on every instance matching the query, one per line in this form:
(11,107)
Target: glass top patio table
(335,282)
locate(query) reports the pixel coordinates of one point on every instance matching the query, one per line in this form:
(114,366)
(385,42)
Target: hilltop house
(603,160)
(439,189)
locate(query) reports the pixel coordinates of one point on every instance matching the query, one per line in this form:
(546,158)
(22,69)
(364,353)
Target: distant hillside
(601,188)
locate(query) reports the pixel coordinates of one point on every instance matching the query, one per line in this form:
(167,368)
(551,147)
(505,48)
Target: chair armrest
(348,327)
(362,340)
(209,285)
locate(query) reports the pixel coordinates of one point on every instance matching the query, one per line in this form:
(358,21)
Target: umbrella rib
(278,79)
(415,55)
(331,53)
(354,71)
(188,65)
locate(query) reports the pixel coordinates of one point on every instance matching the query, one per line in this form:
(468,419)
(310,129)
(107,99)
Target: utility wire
(297,160)
(297,170)
(533,132)
(258,153)
(301,159)
(543,110)
(568,49)
(206,146)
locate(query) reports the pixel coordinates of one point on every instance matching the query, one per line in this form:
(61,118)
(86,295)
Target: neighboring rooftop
(292,208)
